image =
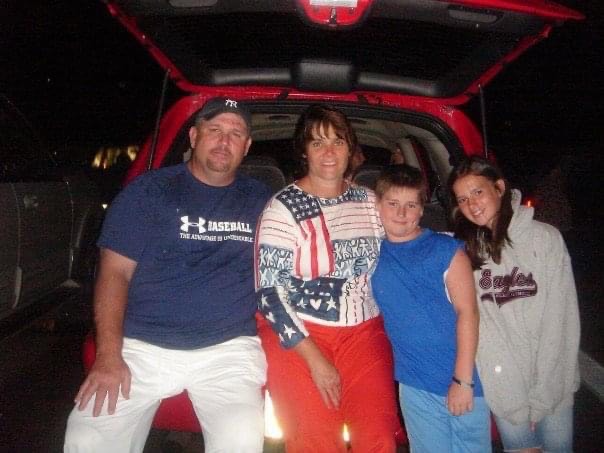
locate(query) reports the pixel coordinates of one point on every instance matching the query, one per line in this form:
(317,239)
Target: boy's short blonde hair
(401,176)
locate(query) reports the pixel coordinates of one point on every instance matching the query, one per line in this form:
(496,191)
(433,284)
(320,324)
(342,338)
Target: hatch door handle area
(30,201)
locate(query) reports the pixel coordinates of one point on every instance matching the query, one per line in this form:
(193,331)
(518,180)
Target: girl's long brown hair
(481,242)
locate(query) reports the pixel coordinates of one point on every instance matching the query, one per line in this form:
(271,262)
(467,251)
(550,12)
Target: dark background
(84,82)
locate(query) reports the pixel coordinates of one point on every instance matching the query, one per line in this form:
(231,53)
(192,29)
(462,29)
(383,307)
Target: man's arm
(460,284)
(109,372)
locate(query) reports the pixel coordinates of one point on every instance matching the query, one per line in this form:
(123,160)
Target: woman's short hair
(319,116)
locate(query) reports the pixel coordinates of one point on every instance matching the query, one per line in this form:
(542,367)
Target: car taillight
(334,13)
(528,201)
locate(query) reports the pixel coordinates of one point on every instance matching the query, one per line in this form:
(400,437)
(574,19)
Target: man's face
(219,145)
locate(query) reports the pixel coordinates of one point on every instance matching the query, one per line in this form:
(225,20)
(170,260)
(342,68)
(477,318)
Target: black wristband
(463,383)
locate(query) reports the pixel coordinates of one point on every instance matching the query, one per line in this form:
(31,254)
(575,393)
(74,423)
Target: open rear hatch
(426,48)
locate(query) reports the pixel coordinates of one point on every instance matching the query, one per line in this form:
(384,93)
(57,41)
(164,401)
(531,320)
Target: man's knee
(112,433)
(242,430)
(241,440)
(81,437)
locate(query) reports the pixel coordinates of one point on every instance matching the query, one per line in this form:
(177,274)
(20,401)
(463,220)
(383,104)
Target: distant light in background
(107,157)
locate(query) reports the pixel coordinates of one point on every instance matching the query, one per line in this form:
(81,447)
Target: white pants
(224,384)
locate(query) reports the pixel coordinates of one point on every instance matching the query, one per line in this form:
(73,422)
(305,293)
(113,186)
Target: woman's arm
(324,374)
(275,257)
(276,242)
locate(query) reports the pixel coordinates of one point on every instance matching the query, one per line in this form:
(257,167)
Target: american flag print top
(314,260)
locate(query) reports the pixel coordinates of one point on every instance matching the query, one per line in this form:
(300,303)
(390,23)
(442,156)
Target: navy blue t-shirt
(194,247)
(420,320)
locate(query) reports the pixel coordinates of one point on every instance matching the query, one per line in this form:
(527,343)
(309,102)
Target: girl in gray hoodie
(529,318)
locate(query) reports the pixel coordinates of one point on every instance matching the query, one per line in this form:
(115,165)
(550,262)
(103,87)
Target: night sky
(83,81)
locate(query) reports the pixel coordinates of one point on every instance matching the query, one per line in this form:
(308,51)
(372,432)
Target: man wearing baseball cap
(174,298)
(218,105)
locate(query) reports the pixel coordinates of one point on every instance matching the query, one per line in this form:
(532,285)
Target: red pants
(363,357)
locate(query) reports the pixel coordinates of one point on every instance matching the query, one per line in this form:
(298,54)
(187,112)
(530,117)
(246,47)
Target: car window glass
(180,150)
(22,158)
(427,166)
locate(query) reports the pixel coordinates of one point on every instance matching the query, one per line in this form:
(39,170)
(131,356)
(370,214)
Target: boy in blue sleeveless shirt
(424,286)
(174,300)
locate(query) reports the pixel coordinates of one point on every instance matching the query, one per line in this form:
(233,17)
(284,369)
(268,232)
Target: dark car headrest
(270,175)
(366,175)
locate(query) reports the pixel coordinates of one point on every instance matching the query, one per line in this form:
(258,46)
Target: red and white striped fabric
(314,259)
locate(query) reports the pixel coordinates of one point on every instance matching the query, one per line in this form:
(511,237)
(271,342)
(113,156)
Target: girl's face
(327,154)
(479,199)
(400,210)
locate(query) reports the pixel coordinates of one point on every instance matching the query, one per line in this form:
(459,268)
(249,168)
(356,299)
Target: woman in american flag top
(329,360)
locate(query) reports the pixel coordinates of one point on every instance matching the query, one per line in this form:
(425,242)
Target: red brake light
(529,202)
(334,13)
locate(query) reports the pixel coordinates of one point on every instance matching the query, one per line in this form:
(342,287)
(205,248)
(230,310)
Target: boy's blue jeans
(432,428)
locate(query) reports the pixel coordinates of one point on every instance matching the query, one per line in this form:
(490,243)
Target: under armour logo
(186,224)
(231,103)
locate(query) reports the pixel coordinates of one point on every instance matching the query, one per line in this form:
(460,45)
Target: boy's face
(400,210)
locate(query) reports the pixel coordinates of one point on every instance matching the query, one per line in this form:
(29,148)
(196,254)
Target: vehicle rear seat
(264,169)
(366,175)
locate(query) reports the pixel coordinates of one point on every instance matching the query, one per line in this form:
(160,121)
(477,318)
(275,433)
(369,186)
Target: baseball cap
(218,105)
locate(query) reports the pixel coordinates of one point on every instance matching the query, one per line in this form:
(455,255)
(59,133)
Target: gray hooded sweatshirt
(529,323)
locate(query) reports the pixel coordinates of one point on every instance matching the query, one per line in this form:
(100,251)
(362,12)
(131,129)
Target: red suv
(400,69)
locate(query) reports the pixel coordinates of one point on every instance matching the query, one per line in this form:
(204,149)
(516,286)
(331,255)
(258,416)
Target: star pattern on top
(303,206)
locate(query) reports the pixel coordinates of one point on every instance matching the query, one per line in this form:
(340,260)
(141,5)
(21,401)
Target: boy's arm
(460,285)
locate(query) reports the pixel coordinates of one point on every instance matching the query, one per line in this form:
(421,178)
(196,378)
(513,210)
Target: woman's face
(479,199)
(400,210)
(327,154)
